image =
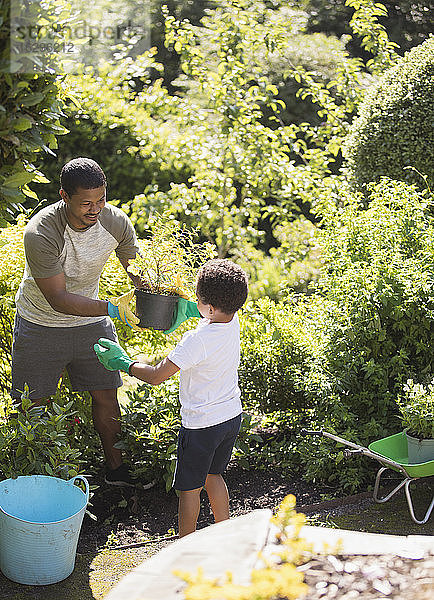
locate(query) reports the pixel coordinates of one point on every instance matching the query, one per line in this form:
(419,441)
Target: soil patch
(126,516)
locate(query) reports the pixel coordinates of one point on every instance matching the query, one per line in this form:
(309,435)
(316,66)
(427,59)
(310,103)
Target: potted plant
(166,267)
(417,415)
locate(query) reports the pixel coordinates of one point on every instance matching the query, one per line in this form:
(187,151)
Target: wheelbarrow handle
(335,438)
(356,449)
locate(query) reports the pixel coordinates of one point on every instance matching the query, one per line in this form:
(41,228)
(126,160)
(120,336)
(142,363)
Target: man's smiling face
(84,206)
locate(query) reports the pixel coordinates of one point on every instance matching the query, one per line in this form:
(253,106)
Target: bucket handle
(86,484)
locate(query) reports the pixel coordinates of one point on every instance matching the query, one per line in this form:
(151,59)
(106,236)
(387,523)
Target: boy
(208,358)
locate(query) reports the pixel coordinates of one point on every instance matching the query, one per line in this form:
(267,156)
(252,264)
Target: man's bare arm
(54,290)
(134,278)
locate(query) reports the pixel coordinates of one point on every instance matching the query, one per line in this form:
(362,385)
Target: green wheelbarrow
(391,452)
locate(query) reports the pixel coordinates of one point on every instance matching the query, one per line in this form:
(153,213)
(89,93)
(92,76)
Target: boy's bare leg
(188,511)
(218,497)
(107,422)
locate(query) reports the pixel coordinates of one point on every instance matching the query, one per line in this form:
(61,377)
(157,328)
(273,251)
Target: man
(59,316)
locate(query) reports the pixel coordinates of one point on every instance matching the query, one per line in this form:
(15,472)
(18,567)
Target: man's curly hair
(223,284)
(81,173)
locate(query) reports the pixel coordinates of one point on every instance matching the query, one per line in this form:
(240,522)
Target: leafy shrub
(128,118)
(337,360)
(11,272)
(394,128)
(150,423)
(407,21)
(292,264)
(279,348)
(246,439)
(127,175)
(378,295)
(35,441)
(31,105)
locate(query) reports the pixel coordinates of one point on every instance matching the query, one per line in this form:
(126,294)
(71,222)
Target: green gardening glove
(112,356)
(185,309)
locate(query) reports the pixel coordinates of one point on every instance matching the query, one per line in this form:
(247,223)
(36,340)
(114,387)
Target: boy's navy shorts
(204,451)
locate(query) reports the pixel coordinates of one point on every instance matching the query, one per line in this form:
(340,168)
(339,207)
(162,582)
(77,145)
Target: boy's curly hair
(223,284)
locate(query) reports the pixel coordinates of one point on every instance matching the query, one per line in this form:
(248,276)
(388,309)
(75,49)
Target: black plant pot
(155,311)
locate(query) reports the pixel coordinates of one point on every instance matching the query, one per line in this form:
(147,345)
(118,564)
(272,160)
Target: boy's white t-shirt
(208,358)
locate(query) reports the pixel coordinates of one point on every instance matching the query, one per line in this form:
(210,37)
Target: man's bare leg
(106,416)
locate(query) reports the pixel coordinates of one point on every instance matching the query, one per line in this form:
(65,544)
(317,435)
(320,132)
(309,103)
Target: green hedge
(30,108)
(115,147)
(338,360)
(394,129)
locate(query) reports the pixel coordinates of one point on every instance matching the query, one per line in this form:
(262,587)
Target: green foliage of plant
(277,446)
(280,345)
(30,107)
(128,174)
(247,439)
(416,406)
(11,272)
(292,265)
(214,153)
(150,423)
(407,22)
(394,128)
(35,440)
(271,368)
(120,111)
(317,53)
(378,287)
(336,360)
(226,152)
(169,257)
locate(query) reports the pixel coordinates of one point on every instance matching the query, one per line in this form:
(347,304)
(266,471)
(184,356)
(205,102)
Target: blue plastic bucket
(40,521)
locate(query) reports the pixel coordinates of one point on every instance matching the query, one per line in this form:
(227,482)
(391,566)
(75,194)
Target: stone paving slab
(357,542)
(234,545)
(228,546)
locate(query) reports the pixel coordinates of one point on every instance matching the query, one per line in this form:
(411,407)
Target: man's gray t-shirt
(53,246)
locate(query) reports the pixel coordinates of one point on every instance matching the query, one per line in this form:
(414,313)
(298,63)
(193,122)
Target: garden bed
(146,520)
(127,516)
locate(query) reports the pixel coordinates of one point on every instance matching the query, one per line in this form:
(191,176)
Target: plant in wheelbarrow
(166,267)
(416,407)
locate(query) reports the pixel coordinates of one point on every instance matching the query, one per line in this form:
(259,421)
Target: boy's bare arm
(154,375)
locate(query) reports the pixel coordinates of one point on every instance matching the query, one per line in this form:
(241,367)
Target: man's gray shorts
(40,354)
